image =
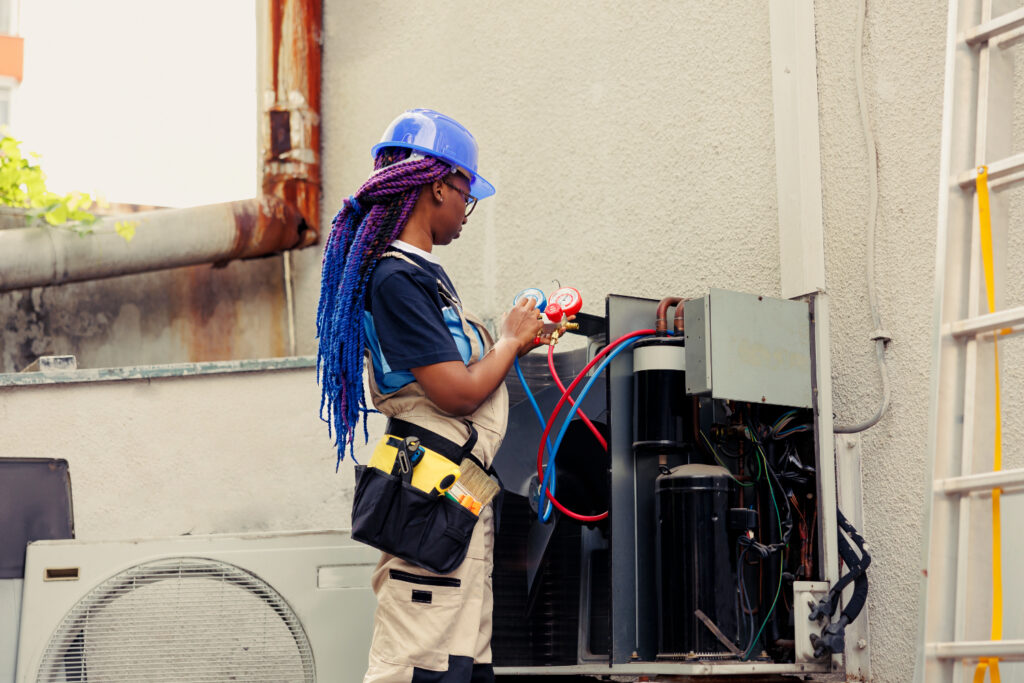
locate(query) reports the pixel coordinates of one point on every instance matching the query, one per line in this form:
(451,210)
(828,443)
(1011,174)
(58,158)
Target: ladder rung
(1000,173)
(969,327)
(973,649)
(994,27)
(981,482)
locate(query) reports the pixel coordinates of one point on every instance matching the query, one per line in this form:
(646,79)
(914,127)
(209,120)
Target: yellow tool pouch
(431,471)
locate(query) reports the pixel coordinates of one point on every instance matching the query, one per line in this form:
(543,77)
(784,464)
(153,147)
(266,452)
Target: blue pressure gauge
(537,295)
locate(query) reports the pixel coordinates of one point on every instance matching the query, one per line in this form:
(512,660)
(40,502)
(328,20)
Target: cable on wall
(880,336)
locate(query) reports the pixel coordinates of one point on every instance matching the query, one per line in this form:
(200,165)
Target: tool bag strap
(435,442)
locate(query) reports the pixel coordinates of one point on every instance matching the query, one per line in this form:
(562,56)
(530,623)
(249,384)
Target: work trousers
(435,628)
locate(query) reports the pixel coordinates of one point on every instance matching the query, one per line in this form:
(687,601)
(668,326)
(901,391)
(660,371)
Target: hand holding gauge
(564,304)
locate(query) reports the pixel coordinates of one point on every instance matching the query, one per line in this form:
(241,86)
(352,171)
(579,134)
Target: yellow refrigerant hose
(991,664)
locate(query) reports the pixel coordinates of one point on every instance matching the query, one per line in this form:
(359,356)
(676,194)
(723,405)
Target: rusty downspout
(290,124)
(290,71)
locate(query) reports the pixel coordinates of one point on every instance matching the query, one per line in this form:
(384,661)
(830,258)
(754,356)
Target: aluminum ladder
(956,592)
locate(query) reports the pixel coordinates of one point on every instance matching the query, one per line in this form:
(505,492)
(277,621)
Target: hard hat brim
(478,186)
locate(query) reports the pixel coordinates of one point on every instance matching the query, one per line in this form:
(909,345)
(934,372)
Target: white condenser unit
(248,607)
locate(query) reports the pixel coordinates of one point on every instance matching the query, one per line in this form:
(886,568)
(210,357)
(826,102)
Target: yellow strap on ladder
(991,664)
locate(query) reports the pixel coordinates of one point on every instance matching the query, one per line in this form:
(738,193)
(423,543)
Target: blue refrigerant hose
(549,470)
(543,423)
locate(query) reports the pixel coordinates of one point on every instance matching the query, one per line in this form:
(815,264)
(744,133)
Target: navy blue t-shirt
(410,321)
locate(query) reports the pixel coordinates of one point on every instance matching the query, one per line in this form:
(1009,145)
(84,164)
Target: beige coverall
(437,627)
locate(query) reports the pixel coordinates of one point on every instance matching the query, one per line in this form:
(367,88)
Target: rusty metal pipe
(168,238)
(290,89)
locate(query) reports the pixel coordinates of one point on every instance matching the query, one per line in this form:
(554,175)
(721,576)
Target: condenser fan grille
(185,619)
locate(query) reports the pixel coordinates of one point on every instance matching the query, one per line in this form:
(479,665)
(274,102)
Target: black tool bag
(390,514)
(427,530)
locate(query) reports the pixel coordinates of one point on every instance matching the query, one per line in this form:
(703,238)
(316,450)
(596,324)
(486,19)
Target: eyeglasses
(470,199)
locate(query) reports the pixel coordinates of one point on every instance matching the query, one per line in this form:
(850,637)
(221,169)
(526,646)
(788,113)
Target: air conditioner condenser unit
(292,606)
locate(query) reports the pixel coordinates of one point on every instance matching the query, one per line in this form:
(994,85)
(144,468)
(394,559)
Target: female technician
(434,371)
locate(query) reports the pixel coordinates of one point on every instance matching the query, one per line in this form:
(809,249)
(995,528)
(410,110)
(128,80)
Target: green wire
(719,461)
(778,518)
(750,437)
(778,590)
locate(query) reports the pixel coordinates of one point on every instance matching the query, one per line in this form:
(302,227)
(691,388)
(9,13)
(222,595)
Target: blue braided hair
(364,228)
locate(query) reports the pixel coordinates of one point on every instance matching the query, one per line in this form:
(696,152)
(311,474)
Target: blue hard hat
(433,133)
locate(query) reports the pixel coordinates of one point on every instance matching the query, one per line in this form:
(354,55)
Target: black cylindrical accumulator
(693,560)
(659,396)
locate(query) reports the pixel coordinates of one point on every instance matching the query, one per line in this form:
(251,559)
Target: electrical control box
(744,347)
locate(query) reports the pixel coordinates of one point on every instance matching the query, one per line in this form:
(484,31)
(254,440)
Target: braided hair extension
(361,232)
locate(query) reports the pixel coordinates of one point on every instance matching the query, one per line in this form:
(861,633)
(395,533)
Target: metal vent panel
(182,619)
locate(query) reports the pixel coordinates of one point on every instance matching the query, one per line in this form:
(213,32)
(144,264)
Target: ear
(437,188)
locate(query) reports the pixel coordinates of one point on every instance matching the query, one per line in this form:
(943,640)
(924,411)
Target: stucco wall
(631,152)
(903,79)
(185,455)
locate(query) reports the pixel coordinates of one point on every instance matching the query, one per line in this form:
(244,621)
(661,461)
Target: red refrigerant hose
(554,413)
(561,387)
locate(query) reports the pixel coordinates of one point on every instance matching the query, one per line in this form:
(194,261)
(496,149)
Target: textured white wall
(632,151)
(170,456)
(903,79)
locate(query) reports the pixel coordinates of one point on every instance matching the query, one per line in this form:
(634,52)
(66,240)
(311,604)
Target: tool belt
(399,505)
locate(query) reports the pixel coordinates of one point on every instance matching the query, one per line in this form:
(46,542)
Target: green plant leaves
(57,215)
(23,185)
(126,229)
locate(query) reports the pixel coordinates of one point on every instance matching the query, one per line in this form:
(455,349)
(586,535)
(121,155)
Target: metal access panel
(745,347)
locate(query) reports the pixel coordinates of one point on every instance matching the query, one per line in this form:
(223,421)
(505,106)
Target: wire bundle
(747,544)
(765,551)
(781,429)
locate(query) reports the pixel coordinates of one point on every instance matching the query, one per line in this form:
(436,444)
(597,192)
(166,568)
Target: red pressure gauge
(565,301)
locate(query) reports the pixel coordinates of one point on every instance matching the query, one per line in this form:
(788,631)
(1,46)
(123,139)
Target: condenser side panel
(698,347)
(632,510)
